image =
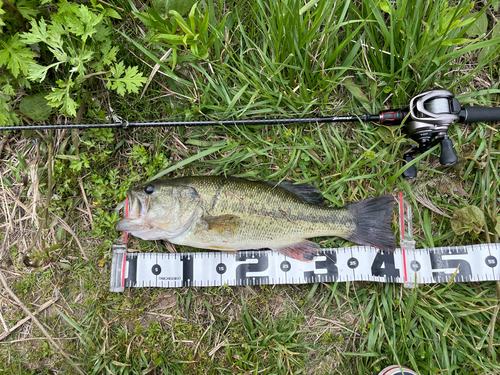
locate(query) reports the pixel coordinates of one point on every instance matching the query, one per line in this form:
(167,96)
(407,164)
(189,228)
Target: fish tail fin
(373,218)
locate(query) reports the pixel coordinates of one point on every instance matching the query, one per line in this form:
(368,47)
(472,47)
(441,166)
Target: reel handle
(448,156)
(412,171)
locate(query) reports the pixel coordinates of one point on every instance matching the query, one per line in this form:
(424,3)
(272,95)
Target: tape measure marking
(264,267)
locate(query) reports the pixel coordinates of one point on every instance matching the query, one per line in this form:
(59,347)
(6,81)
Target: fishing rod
(427,120)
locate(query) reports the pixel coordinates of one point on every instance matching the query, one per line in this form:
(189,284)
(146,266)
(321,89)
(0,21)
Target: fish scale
(265,220)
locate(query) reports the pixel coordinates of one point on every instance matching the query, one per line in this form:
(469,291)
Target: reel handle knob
(448,156)
(412,171)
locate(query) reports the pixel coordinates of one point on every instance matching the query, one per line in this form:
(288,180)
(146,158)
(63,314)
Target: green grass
(263,59)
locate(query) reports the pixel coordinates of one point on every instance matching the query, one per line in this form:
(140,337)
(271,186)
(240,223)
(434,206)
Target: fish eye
(149,189)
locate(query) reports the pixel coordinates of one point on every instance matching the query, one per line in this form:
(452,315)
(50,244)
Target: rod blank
(126,124)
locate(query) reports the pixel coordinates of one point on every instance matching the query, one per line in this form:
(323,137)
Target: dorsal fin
(305,192)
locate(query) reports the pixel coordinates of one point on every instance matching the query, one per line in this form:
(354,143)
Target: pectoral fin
(224,224)
(305,251)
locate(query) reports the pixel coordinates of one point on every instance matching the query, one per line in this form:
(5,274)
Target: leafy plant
(15,57)
(72,48)
(79,41)
(35,107)
(175,31)
(467,219)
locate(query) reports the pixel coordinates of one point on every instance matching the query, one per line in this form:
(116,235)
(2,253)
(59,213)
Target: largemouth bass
(231,214)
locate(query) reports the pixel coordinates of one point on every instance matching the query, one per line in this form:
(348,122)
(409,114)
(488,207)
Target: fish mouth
(134,211)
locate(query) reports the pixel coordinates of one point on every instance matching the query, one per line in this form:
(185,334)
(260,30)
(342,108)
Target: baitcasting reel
(430,115)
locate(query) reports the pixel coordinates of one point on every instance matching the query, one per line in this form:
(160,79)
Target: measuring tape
(263,267)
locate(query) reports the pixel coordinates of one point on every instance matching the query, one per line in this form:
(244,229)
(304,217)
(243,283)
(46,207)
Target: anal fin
(305,251)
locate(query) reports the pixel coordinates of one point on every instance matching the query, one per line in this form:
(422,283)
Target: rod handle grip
(480,114)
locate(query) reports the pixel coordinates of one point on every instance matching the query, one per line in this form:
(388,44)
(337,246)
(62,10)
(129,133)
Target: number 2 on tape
(261,266)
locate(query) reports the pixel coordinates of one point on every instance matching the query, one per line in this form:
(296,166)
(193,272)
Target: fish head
(160,210)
